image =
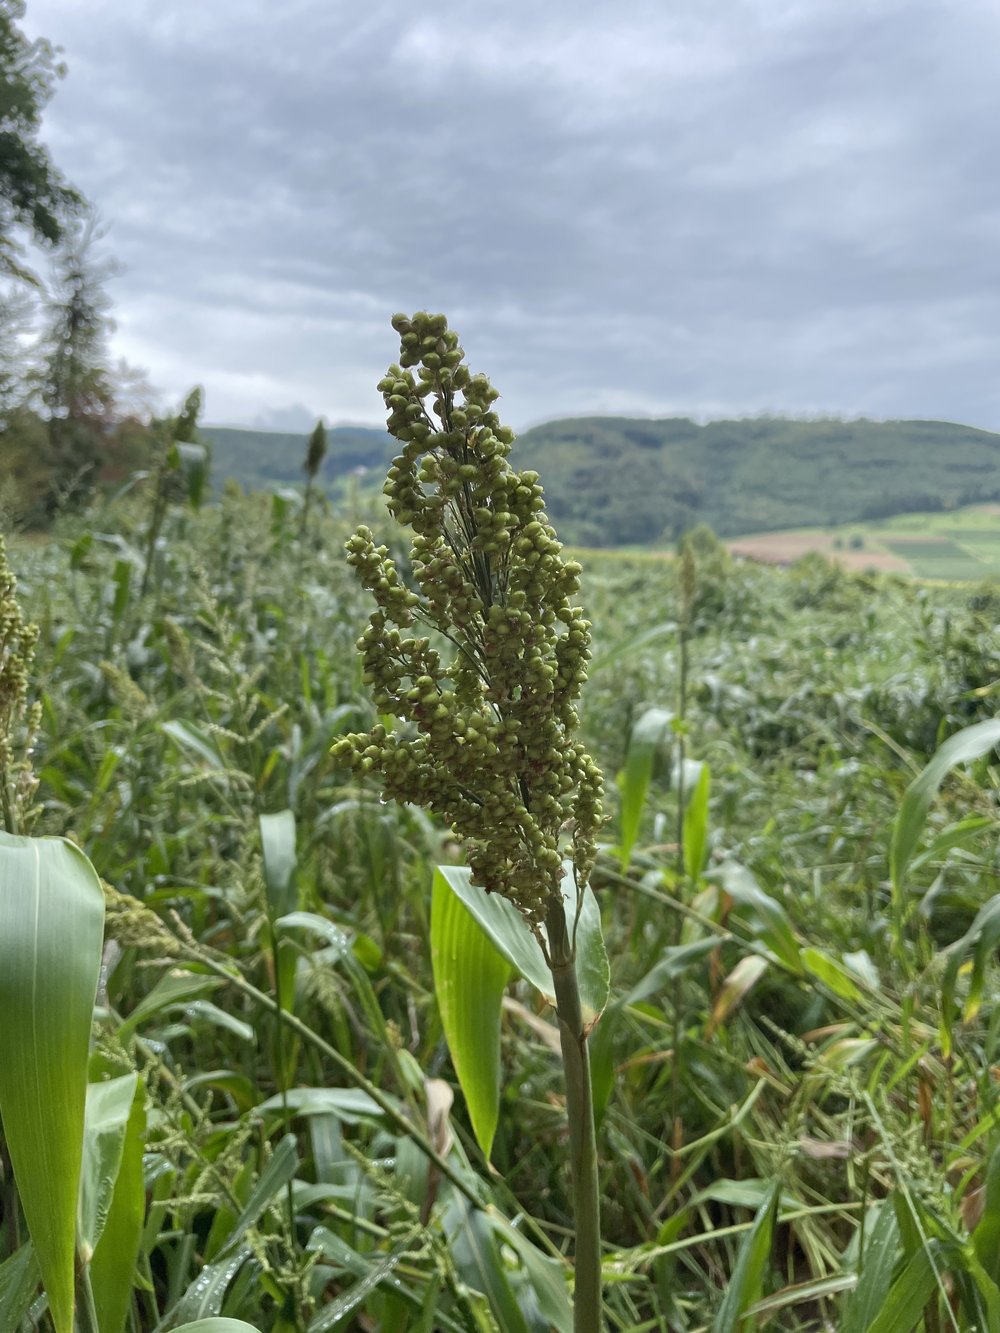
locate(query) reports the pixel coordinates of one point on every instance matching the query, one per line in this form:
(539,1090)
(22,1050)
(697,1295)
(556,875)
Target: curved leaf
(648,735)
(109,1106)
(470,976)
(51,929)
(512,937)
(277,840)
(216,1325)
(113,1267)
(965,746)
(752,1264)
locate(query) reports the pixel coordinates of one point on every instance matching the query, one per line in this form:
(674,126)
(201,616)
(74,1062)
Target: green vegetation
(615,481)
(960,545)
(621,482)
(792,1080)
(61,431)
(34,197)
(261,460)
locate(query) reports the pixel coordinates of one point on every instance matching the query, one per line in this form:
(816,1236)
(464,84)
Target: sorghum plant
(17,722)
(488,740)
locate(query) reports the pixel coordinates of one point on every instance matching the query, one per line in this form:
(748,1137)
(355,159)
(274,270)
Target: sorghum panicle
(491,746)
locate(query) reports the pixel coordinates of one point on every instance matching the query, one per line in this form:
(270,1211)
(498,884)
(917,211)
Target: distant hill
(261,460)
(616,481)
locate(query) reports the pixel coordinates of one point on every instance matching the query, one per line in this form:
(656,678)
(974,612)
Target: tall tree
(74,378)
(34,196)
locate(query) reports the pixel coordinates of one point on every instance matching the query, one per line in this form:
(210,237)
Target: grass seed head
(491,745)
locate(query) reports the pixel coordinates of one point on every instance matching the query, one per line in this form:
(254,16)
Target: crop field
(794,1076)
(960,545)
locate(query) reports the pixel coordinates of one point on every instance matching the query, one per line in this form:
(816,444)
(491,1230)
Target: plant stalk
(587,1299)
(86,1311)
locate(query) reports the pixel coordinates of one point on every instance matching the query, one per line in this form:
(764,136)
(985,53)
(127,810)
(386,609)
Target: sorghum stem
(587,1301)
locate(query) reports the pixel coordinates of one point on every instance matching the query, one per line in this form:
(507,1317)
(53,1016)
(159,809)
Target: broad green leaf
(206,1293)
(240,1088)
(177,988)
(834,976)
(905,1300)
(113,1266)
(673,962)
(277,840)
(511,935)
(470,977)
(648,737)
(211,1013)
(980,939)
(962,748)
(774,927)
(546,1275)
(195,742)
(752,1264)
(51,929)
(878,1259)
(347,1104)
(696,827)
(109,1106)
(748,1193)
(477,1259)
(986,1237)
(606,657)
(18,1285)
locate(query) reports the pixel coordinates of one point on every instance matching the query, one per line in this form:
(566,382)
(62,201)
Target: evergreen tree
(74,378)
(33,194)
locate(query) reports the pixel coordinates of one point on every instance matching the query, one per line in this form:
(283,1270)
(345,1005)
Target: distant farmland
(959,545)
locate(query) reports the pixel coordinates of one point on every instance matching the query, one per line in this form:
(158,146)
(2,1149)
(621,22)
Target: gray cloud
(704,208)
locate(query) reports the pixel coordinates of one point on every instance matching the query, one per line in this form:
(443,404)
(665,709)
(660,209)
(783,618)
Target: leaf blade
(51,931)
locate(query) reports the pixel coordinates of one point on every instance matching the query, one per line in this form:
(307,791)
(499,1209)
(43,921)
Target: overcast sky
(703,207)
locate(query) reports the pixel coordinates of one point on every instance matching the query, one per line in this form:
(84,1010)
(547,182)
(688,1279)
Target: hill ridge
(620,480)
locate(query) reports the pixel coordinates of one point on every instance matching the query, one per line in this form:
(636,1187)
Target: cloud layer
(705,208)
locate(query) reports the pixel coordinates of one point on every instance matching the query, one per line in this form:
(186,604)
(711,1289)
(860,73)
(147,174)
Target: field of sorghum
(795,1076)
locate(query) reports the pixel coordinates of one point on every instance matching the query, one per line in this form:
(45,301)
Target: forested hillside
(261,459)
(615,481)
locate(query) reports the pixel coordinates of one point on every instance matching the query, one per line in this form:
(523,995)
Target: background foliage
(781,1011)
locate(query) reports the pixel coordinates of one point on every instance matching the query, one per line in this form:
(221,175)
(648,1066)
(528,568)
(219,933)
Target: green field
(960,545)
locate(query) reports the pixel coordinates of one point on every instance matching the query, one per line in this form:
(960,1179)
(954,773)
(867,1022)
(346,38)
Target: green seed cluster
(491,746)
(17,652)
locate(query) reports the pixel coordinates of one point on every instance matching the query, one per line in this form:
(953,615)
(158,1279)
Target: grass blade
(752,1263)
(966,745)
(696,827)
(113,1267)
(906,1299)
(878,1260)
(277,840)
(648,736)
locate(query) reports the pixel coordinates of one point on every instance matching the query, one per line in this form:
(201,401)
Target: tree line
(69,418)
